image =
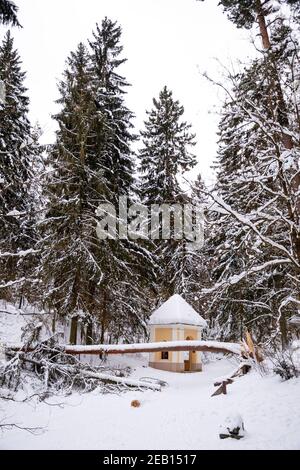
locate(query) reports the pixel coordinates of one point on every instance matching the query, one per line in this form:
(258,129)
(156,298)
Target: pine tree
(246,13)
(165,156)
(255,222)
(18,151)
(8,13)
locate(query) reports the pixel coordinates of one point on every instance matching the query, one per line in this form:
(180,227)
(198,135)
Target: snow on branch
(120,380)
(205,346)
(239,277)
(247,222)
(56,369)
(12,283)
(19,254)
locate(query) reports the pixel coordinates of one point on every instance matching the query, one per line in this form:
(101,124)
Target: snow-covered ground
(182,416)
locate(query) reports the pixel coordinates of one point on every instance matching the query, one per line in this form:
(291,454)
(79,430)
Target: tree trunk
(89,333)
(21,300)
(283,330)
(188,345)
(54,323)
(103,317)
(73,330)
(282,119)
(262,25)
(282,115)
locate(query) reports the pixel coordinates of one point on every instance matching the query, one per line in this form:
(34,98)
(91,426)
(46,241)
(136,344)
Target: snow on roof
(176,310)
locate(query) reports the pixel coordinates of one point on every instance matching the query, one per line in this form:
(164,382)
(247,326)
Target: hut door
(188,358)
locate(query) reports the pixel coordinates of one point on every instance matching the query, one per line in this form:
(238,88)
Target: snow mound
(176,311)
(233,427)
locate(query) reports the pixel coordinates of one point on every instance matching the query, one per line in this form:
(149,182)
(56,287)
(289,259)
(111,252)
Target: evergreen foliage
(165,156)
(18,154)
(8,13)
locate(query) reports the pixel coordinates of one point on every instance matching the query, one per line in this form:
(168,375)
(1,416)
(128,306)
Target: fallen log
(204,346)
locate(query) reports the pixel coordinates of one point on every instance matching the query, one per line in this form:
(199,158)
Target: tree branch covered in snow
(253,232)
(235,279)
(55,368)
(205,346)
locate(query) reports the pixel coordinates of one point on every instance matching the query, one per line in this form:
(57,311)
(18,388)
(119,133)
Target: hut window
(165,355)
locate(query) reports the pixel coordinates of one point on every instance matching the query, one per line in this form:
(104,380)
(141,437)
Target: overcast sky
(166,42)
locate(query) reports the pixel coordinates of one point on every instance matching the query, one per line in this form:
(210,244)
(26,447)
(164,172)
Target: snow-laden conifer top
(176,311)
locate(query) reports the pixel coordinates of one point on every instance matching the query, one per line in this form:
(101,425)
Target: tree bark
(89,333)
(282,119)
(262,25)
(73,330)
(54,323)
(282,109)
(283,330)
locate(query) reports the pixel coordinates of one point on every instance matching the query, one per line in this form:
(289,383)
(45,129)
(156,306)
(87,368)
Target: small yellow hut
(176,320)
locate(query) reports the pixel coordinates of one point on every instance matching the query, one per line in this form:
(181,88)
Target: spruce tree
(164,156)
(110,91)
(165,153)
(91,164)
(72,186)
(188,262)
(18,151)
(125,263)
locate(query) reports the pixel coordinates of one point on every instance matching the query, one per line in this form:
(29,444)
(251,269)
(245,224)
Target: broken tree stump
(222,390)
(226,380)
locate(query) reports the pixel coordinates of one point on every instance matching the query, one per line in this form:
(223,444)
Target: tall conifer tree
(164,156)
(92,164)
(18,149)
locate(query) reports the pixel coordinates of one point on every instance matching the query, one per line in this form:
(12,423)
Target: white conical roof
(176,311)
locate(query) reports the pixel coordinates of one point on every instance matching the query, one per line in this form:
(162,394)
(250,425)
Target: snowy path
(182,416)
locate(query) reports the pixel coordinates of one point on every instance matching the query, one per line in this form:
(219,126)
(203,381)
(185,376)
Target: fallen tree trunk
(204,346)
